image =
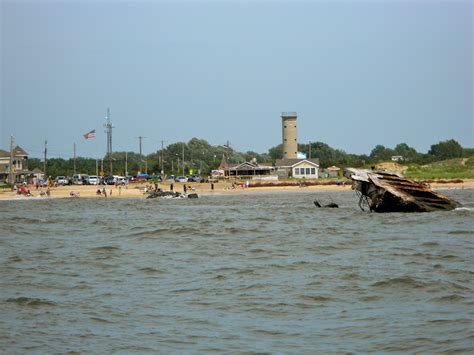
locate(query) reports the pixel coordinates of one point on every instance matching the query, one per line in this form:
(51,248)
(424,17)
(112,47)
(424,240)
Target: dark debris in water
(33,302)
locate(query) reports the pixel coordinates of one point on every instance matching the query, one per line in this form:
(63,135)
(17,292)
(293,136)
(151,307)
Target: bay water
(245,272)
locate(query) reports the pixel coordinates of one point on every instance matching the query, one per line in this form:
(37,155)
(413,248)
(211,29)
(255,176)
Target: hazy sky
(358,73)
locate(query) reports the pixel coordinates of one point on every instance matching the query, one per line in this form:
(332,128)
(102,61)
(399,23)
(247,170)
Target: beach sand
(136,190)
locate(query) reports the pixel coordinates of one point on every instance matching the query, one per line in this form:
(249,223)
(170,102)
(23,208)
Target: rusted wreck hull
(390,192)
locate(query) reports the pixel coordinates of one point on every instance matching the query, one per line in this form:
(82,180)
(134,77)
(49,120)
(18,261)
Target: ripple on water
(31,302)
(399,282)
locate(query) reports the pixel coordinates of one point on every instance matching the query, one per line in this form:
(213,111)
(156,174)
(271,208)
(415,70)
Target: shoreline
(136,191)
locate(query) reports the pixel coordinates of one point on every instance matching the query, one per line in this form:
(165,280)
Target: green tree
(276,152)
(380,153)
(446,150)
(408,153)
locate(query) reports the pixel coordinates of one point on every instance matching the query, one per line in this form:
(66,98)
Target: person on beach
(98,192)
(104,192)
(171,187)
(48,192)
(185,189)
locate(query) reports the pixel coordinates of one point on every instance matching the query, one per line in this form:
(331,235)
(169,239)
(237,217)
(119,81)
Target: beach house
(297,168)
(20,163)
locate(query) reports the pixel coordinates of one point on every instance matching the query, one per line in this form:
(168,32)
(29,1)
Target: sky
(358,73)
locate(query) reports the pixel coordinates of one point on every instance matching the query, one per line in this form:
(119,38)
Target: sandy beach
(137,190)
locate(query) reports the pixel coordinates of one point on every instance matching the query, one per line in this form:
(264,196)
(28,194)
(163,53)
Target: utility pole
(141,156)
(45,157)
(162,157)
(74,159)
(126,163)
(309,150)
(108,129)
(97,167)
(140,144)
(11,176)
(183,159)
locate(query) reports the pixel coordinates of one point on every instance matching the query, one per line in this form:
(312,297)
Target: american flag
(90,134)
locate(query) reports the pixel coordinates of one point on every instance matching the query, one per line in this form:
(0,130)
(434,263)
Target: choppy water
(257,272)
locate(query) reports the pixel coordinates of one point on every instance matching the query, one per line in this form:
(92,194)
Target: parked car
(194,178)
(181,179)
(121,180)
(80,179)
(110,180)
(93,180)
(142,177)
(62,180)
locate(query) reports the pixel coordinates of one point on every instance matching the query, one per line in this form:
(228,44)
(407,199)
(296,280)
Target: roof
(293,162)
(17,152)
(333,168)
(250,166)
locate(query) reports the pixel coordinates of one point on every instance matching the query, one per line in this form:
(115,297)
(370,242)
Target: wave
(405,281)
(468,209)
(449,299)
(315,298)
(461,232)
(105,249)
(27,301)
(150,270)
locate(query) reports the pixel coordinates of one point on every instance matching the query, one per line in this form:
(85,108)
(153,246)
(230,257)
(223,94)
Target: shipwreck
(170,194)
(383,191)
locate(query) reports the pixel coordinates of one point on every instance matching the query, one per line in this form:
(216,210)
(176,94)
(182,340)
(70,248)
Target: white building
(298,168)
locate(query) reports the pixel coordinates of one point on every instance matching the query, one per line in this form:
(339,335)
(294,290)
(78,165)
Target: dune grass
(459,168)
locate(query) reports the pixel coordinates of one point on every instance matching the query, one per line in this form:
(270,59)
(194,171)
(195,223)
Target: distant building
(249,170)
(20,164)
(397,158)
(333,171)
(297,168)
(37,174)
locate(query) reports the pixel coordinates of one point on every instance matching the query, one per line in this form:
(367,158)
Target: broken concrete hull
(390,192)
(171,194)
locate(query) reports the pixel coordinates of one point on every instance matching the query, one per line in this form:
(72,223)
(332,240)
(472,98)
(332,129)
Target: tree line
(200,158)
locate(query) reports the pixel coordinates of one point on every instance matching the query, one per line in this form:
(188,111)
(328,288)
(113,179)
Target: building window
(308,171)
(313,171)
(297,171)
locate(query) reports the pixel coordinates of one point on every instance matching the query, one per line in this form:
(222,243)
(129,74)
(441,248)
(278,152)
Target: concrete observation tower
(290,135)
